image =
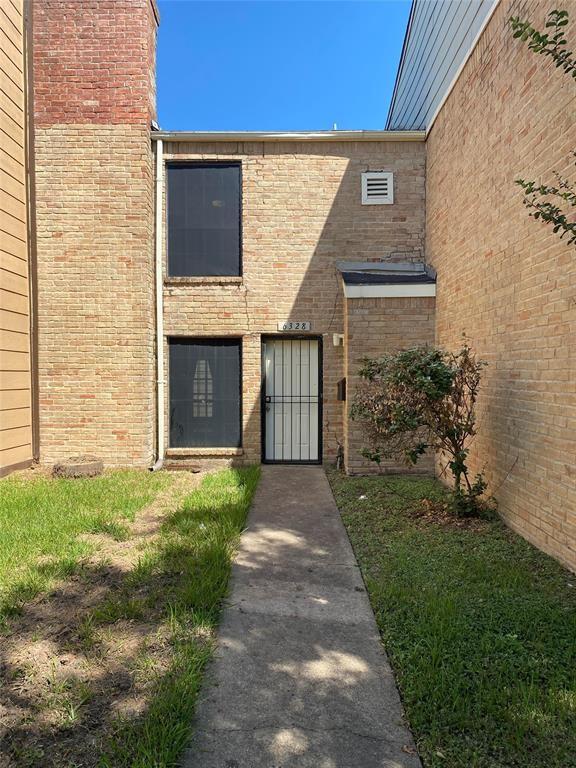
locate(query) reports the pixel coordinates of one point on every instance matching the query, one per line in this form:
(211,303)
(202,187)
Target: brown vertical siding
(15,366)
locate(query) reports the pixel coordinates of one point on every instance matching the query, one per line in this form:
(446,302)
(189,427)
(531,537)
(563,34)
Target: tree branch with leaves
(548,202)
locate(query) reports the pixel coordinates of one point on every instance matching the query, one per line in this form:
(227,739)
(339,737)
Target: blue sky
(275,65)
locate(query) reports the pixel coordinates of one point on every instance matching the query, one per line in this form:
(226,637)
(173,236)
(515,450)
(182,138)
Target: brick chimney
(95,62)
(94,97)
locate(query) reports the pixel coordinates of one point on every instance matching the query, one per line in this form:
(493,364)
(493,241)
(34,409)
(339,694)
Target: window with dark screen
(205,401)
(204,219)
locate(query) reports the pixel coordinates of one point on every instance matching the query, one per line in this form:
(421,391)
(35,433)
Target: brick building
(207,297)
(504,279)
(302,218)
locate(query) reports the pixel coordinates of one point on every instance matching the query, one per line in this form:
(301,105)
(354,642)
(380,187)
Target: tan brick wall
(302,213)
(506,280)
(374,327)
(95,274)
(94,97)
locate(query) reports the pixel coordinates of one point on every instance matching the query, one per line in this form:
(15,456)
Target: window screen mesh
(205,393)
(203,220)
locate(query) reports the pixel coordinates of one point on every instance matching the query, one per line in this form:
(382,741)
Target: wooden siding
(15,358)
(439,37)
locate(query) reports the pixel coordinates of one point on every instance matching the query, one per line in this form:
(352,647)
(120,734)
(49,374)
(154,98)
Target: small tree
(551,203)
(424,399)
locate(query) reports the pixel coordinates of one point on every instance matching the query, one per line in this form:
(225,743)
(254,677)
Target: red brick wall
(506,280)
(94,61)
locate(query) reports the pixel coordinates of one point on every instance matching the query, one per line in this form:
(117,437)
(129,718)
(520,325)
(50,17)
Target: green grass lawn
(41,519)
(480,628)
(180,582)
(140,618)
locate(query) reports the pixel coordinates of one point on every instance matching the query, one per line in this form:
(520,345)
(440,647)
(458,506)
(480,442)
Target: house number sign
(295,325)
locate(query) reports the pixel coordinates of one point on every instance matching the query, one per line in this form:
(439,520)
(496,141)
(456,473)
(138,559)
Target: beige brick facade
(506,280)
(96,296)
(374,327)
(301,213)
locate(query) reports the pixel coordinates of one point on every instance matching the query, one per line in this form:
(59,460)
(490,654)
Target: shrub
(424,399)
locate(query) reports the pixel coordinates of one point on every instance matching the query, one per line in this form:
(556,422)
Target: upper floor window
(204,219)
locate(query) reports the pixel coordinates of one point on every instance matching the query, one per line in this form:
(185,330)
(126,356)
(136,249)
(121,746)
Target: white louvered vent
(377,188)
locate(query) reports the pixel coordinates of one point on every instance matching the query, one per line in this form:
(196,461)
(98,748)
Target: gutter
(159,178)
(30,154)
(276,136)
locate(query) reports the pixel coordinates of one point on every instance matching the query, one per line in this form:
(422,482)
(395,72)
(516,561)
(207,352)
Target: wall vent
(377,188)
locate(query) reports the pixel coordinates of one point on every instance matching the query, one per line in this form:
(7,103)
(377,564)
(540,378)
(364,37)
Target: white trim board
(390,291)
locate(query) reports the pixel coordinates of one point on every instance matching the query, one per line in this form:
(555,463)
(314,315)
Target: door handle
(268,399)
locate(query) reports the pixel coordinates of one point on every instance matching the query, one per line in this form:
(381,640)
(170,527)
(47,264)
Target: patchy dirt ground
(63,678)
(433,511)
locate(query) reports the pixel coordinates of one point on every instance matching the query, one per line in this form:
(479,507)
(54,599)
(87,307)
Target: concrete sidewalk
(300,679)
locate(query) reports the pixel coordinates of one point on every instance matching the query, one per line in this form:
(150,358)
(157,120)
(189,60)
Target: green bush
(419,400)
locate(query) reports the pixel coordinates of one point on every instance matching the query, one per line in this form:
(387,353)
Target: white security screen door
(291,400)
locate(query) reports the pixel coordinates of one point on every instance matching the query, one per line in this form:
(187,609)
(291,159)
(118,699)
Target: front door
(292,400)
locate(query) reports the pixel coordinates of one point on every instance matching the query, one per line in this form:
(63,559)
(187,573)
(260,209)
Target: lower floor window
(205,387)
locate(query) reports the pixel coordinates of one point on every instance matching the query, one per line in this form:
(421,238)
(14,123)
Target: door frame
(294,337)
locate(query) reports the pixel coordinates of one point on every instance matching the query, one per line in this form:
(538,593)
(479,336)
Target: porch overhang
(362,280)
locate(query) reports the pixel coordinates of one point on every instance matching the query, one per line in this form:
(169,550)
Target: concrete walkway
(300,678)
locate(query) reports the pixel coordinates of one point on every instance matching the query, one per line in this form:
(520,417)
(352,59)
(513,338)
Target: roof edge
(450,87)
(401,61)
(381,266)
(275,136)
(465,60)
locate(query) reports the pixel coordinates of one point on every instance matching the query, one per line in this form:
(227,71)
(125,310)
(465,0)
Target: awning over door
(386,279)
